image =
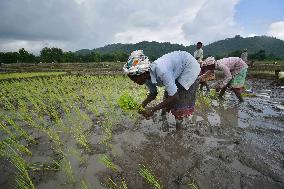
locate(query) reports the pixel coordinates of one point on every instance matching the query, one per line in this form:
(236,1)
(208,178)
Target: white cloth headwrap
(208,61)
(137,63)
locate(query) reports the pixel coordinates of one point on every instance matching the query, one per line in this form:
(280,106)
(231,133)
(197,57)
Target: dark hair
(199,43)
(132,77)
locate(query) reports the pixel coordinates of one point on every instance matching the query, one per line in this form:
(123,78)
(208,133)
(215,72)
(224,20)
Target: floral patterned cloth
(185,104)
(238,80)
(137,63)
(231,67)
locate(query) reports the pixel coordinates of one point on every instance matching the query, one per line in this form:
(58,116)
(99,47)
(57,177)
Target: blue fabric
(177,65)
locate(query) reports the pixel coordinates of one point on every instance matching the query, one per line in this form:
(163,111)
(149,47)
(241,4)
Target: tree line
(259,55)
(57,55)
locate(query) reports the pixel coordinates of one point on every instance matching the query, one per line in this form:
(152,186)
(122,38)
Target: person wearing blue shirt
(177,71)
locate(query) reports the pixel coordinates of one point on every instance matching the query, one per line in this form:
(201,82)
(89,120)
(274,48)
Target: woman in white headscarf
(177,71)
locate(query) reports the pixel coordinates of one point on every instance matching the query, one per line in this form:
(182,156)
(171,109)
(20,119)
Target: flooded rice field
(225,145)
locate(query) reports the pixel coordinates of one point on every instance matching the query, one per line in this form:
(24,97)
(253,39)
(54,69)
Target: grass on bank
(28,75)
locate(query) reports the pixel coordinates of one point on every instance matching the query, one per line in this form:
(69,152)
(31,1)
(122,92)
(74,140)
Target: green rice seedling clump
(127,102)
(149,177)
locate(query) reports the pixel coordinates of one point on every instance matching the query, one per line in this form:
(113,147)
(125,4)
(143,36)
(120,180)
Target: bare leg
(238,94)
(207,86)
(201,86)
(164,111)
(178,124)
(222,92)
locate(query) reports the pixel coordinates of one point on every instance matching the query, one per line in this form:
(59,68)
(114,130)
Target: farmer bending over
(235,70)
(177,71)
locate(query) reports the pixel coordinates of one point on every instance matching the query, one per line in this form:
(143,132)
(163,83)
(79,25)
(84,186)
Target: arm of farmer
(171,88)
(206,73)
(228,76)
(153,92)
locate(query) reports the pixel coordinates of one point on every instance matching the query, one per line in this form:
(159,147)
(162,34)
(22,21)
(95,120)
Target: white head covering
(208,61)
(137,63)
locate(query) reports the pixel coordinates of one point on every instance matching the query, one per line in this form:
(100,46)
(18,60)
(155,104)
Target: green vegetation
(56,55)
(58,108)
(258,45)
(127,102)
(259,48)
(68,108)
(108,163)
(28,75)
(149,177)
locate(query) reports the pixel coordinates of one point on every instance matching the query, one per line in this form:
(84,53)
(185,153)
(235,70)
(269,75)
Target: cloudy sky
(76,24)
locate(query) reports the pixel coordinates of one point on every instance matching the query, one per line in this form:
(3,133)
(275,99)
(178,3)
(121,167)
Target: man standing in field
(198,53)
(177,71)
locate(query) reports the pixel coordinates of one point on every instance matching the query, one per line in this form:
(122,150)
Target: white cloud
(251,35)
(76,24)
(31,46)
(276,29)
(213,21)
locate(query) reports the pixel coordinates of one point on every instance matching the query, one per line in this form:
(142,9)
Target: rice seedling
(203,101)
(22,179)
(213,94)
(193,185)
(28,75)
(54,166)
(61,109)
(149,177)
(127,102)
(84,185)
(105,160)
(249,95)
(111,184)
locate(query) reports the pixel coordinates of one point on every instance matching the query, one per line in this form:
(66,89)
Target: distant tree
(45,55)
(51,54)
(96,57)
(69,57)
(9,57)
(25,56)
(238,36)
(260,55)
(236,53)
(120,56)
(107,57)
(272,57)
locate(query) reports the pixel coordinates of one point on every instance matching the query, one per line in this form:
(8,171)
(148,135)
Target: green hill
(253,44)
(151,49)
(222,48)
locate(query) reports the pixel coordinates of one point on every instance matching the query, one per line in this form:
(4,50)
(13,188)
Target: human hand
(217,89)
(201,77)
(148,112)
(141,109)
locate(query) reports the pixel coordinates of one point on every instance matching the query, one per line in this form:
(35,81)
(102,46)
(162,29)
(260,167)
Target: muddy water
(230,145)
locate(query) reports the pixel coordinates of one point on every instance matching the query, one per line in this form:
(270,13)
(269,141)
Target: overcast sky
(77,24)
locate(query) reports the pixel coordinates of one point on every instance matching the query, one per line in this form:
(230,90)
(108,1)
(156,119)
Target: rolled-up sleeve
(227,73)
(169,83)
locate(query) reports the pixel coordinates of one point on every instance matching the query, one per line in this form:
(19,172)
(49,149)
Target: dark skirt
(184,106)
